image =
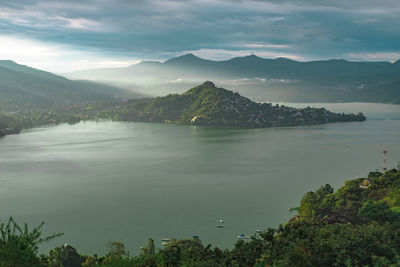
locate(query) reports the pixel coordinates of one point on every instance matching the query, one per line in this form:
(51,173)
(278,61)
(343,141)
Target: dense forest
(358,225)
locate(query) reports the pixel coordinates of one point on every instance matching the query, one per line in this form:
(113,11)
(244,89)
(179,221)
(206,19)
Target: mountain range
(261,79)
(25,86)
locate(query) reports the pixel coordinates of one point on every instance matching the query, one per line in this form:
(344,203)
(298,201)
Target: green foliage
(379,211)
(353,203)
(311,244)
(19,246)
(64,255)
(150,248)
(90,261)
(116,253)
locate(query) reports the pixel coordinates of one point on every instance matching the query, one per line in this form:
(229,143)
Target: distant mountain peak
(187,58)
(189,55)
(253,56)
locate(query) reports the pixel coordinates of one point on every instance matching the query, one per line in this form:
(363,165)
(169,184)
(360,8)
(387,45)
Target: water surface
(100,181)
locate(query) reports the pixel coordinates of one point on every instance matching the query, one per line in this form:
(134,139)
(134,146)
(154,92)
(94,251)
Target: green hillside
(22,85)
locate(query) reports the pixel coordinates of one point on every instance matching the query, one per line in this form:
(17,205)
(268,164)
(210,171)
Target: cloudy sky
(68,35)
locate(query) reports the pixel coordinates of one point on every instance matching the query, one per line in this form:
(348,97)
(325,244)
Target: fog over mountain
(261,79)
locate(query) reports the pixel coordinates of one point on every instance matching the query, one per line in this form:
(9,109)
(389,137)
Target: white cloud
(273,46)
(82,23)
(367,20)
(374,56)
(56,58)
(86,6)
(44,20)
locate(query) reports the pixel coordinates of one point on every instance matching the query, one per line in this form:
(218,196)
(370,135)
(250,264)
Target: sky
(63,36)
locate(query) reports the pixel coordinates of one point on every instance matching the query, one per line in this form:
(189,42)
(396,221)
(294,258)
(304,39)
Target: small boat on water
(220,225)
(243,236)
(165,241)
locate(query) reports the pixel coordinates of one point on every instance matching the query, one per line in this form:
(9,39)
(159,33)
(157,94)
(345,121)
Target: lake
(100,181)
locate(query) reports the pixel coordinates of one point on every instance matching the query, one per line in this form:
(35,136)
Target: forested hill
(208,105)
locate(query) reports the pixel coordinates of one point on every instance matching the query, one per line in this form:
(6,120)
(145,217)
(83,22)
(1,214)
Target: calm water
(129,181)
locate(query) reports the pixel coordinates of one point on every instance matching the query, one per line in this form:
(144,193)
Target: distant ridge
(184,59)
(280,79)
(23,85)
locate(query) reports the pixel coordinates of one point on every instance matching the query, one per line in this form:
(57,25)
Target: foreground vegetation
(359,225)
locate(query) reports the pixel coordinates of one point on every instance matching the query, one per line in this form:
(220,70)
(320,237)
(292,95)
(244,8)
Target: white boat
(243,236)
(165,241)
(220,225)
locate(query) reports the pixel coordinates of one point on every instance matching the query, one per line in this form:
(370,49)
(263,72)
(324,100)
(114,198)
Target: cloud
(374,56)
(367,20)
(82,23)
(56,58)
(40,18)
(274,46)
(160,29)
